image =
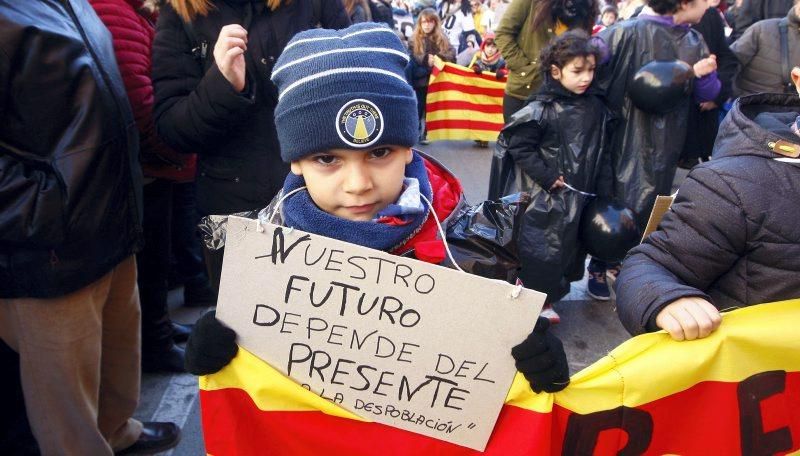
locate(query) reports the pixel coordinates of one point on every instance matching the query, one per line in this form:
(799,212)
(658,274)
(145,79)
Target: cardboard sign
(398,341)
(660,208)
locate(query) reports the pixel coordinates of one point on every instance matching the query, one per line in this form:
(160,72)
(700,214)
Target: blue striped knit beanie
(343,89)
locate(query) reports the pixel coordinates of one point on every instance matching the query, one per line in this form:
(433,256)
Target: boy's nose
(357,180)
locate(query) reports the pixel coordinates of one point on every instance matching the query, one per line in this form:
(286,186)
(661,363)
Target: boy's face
(475,4)
(355,184)
(577,74)
(608,18)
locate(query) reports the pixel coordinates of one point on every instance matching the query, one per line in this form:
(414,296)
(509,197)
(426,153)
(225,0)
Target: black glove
(541,359)
(211,346)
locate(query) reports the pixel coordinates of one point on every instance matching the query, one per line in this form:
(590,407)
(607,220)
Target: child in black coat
(557,143)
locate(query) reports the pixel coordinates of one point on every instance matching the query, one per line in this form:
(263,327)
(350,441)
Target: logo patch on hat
(359,123)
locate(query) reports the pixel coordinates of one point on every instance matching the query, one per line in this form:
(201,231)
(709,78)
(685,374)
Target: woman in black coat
(213,94)
(703,123)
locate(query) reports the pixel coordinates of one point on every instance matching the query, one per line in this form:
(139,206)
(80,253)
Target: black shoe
(201,295)
(155,438)
(169,360)
(180,333)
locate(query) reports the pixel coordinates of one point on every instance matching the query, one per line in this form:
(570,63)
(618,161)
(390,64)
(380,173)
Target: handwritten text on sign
(405,343)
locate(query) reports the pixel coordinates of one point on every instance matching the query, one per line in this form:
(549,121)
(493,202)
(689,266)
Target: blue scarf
(300,212)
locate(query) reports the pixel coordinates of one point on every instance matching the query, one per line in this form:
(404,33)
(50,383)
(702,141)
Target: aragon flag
(462,105)
(735,392)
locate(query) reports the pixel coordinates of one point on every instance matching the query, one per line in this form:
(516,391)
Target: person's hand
(708,106)
(229,54)
(431,60)
(689,318)
(541,359)
(705,66)
(476,69)
(501,74)
(211,346)
(558,184)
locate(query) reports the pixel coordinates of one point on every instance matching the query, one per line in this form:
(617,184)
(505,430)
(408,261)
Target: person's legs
(119,388)
(15,432)
(153,267)
(189,267)
(60,345)
(510,106)
(422,96)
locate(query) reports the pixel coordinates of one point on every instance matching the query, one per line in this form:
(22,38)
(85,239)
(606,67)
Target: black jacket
(732,235)
(197,110)
(70,181)
(645,147)
(704,125)
(556,134)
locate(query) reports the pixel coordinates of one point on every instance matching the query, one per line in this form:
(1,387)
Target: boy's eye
(381,152)
(325,159)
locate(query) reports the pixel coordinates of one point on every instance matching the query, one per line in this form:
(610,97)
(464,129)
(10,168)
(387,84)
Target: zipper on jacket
(201,52)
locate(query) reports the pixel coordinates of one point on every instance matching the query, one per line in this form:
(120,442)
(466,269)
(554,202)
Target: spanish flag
(735,392)
(462,105)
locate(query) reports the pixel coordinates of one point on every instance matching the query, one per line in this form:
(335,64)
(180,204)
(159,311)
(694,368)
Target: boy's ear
(555,72)
(297,170)
(409,155)
(796,78)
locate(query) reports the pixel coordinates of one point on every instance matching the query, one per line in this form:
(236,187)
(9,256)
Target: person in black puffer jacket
(731,238)
(223,108)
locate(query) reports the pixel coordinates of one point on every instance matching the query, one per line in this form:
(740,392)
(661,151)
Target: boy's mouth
(363,209)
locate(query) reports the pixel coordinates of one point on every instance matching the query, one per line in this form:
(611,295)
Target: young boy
(731,238)
(559,141)
(346,121)
(646,145)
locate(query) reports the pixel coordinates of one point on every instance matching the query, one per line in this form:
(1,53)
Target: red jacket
(447,194)
(132,30)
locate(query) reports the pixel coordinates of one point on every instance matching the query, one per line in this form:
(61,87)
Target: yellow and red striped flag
(735,392)
(462,105)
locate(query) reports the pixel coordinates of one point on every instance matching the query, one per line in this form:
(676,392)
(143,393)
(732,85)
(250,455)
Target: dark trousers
(510,106)
(187,253)
(153,267)
(422,95)
(15,432)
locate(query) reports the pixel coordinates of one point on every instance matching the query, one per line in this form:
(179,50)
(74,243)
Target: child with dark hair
(558,145)
(647,142)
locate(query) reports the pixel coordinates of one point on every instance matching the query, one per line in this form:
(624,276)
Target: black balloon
(608,230)
(661,86)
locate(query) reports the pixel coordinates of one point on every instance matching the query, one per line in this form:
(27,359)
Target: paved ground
(589,329)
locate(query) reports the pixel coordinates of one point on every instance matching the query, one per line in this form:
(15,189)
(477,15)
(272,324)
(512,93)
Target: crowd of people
(127,121)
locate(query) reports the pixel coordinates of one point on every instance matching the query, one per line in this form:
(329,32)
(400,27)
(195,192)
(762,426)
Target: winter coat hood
(758,125)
